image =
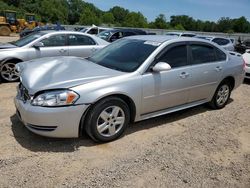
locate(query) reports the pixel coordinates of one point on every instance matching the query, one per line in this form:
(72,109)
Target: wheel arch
(231,81)
(13,59)
(128,100)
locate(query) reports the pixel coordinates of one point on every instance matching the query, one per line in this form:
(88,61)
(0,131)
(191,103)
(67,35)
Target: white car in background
(225,43)
(94,30)
(246,57)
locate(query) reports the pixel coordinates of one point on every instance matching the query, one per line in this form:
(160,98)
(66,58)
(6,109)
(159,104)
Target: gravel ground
(197,147)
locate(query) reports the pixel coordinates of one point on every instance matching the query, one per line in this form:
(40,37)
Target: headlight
(55,98)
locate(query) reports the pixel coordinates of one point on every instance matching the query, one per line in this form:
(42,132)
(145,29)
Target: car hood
(6,46)
(61,72)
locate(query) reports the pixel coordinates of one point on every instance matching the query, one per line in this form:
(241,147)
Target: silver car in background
(45,44)
(225,43)
(130,80)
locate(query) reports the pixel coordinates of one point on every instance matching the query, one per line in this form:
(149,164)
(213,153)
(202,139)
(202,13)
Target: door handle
(184,75)
(62,50)
(93,49)
(218,69)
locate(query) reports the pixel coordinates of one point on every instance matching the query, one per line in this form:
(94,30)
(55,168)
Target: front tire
(8,72)
(221,96)
(107,119)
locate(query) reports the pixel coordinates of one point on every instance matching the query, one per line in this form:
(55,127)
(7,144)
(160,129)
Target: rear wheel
(221,95)
(4,30)
(8,72)
(107,120)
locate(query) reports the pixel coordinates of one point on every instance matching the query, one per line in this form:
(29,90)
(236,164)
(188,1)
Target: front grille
(23,93)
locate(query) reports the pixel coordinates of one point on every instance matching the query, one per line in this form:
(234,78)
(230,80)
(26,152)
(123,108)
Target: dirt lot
(197,147)
(192,148)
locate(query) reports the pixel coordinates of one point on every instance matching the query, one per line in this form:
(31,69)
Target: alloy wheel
(9,72)
(222,95)
(110,121)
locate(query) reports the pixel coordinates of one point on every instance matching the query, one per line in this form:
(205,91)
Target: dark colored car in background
(241,47)
(26,32)
(115,34)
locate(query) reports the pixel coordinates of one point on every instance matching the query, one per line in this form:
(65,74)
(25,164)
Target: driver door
(162,90)
(54,45)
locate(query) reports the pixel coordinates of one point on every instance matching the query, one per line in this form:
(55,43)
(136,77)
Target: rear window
(221,56)
(221,41)
(202,54)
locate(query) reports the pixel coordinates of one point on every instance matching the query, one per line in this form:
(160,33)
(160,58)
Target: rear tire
(107,119)
(221,96)
(4,30)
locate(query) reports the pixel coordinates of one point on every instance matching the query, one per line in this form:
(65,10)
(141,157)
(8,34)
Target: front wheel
(221,96)
(8,72)
(107,119)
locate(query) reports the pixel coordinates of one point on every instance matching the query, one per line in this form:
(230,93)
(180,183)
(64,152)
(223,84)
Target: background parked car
(180,34)
(46,44)
(246,57)
(26,32)
(113,35)
(241,47)
(94,30)
(225,43)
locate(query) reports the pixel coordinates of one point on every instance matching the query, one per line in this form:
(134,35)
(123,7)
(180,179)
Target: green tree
(224,24)
(88,18)
(135,19)
(108,18)
(160,22)
(119,14)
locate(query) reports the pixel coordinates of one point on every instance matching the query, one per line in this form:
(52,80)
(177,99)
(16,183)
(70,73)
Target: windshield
(27,39)
(125,55)
(104,35)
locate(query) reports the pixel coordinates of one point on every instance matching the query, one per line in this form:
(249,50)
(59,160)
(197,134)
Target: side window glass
(53,41)
(221,56)
(176,56)
(202,54)
(128,34)
(93,31)
(80,40)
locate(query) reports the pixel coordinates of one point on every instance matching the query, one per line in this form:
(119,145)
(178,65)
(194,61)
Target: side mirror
(161,66)
(38,45)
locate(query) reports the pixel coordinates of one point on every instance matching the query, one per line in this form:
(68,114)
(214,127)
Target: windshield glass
(104,35)
(125,55)
(27,39)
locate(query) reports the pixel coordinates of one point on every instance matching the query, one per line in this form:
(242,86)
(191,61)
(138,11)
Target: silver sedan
(45,44)
(132,79)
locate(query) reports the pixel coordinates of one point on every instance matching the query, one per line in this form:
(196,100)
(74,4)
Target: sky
(211,10)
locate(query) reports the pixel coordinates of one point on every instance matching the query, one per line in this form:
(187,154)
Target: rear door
(81,45)
(54,45)
(207,69)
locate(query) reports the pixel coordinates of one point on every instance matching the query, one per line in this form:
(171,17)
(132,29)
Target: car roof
(164,38)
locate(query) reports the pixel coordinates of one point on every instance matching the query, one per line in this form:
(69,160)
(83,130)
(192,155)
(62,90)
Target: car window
(27,39)
(221,41)
(175,57)
(125,55)
(116,36)
(220,55)
(202,54)
(93,31)
(187,35)
(54,40)
(128,33)
(80,40)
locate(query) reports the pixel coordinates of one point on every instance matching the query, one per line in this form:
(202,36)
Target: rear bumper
(60,122)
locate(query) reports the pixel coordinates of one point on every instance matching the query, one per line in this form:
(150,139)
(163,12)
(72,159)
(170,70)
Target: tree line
(83,13)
